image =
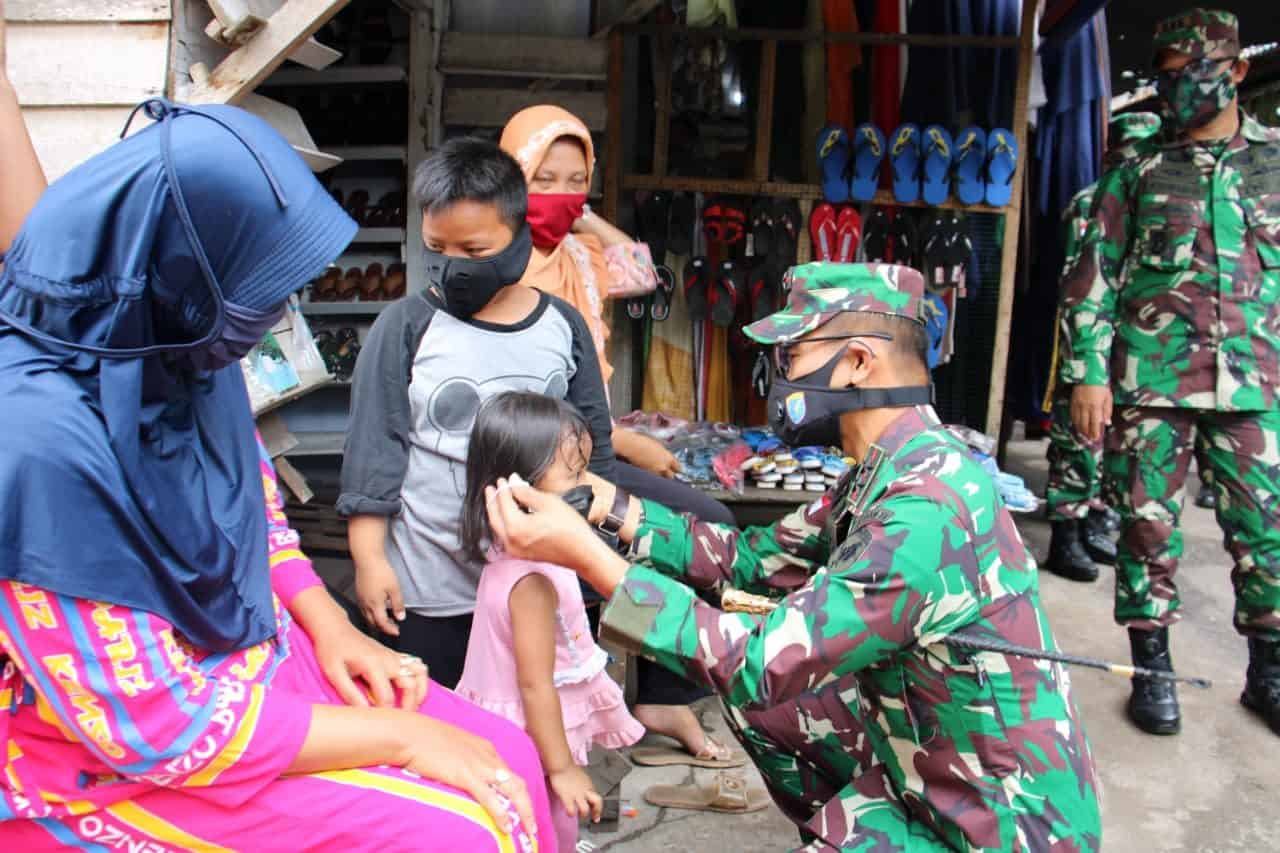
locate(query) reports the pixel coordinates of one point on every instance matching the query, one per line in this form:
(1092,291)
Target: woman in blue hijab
(171,670)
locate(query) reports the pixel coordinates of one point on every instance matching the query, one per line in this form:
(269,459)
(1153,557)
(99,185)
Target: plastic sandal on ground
(970,165)
(868,156)
(904,154)
(833,159)
(936,170)
(1002,162)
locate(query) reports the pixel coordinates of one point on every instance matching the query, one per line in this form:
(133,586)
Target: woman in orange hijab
(582,259)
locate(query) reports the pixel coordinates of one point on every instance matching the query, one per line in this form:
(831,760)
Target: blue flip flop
(1002,162)
(937,164)
(970,165)
(904,153)
(868,155)
(833,157)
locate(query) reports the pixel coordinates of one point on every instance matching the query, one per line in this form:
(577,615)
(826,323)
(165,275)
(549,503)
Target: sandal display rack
(759,183)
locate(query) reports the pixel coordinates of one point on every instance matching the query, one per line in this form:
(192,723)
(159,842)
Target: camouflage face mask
(1195,96)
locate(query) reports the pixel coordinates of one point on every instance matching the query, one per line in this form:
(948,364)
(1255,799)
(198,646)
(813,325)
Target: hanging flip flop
(936,315)
(638,306)
(660,307)
(787,223)
(936,169)
(875,236)
(683,215)
(762,289)
(933,250)
(822,231)
(833,159)
(725,289)
(868,156)
(904,247)
(651,214)
(696,286)
(971,165)
(762,227)
(959,249)
(713,221)
(848,235)
(904,154)
(733,228)
(1002,162)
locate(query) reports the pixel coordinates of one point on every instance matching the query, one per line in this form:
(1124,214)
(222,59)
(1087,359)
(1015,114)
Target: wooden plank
(1009,250)
(275,435)
(315,55)
(614,131)
(88,11)
(868,38)
(293,480)
(523,56)
(662,106)
(90,64)
(286,30)
(814,63)
(764,109)
(65,137)
(493,107)
(422,44)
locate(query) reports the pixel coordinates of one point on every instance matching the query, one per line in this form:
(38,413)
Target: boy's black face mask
(468,284)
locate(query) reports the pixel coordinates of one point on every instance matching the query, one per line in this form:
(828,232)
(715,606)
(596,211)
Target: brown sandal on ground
(371,284)
(349,286)
(726,793)
(713,754)
(393,285)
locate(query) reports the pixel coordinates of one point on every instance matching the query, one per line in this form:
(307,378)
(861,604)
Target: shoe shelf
(379,235)
(357,153)
(813,192)
(338,76)
(344,309)
(318,444)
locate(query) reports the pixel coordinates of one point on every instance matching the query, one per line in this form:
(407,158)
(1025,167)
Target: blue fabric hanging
(125,476)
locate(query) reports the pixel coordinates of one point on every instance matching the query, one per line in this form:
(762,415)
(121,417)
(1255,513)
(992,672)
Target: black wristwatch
(617,516)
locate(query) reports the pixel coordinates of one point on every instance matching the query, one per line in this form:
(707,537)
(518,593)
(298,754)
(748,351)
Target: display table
(756,506)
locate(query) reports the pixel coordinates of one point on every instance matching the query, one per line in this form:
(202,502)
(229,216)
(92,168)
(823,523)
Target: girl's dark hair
(516,432)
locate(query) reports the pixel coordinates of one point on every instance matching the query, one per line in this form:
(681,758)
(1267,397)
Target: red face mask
(551,215)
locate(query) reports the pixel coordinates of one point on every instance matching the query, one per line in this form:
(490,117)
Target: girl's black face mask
(468,284)
(806,410)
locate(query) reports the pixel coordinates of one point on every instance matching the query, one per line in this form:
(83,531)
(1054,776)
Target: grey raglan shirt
(419,380)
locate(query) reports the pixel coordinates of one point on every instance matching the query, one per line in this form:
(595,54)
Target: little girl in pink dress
(531,657)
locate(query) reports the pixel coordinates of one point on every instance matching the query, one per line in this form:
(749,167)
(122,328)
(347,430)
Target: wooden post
(613,170)
(1012,216)
(764,108)
(422,69)
(662,110)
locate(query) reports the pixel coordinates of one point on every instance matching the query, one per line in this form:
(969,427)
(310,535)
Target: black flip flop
(934,232)
(875,235)
(696,286)
(959,248)
(904,246)
(762,229)
(725,291)
(788,224)
(660,306)
(762,289)
(681,222)
(652,213)
(638,306)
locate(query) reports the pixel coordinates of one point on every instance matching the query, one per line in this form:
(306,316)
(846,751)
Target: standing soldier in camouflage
(1079,517)
(1182,330)
(870,731)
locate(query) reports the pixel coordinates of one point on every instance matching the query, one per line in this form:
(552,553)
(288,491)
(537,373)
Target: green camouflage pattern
(867,728)
(1075,466)
(1126,129)
(1179,299)
(818,291)
(1198,32)
(1148,453)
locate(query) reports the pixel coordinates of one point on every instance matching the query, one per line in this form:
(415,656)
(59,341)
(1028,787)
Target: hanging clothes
(840,16)
(669,373)
(995,76)
(886,71)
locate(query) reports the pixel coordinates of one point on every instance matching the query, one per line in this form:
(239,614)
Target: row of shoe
(339,350)
(926,164)
(389,212)
(370,284)
(811,469)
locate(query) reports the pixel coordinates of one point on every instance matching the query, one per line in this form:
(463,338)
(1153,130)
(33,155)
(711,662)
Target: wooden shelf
(542,57)
(343,309)
(379,235)
(338,76)
(813,192)
(356,153)
(291,395)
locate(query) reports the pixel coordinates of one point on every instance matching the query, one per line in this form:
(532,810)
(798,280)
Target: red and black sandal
(724,294)
(696,285)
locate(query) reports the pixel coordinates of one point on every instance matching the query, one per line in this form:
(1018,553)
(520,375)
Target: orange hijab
(575,270)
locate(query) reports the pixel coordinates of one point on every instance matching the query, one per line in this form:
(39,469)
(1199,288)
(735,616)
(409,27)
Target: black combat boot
(1206,498)
(1096,538)
(1262,685)
(1153,705)
(1067,556)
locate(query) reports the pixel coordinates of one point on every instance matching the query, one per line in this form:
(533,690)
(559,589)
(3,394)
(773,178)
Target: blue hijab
(127,474)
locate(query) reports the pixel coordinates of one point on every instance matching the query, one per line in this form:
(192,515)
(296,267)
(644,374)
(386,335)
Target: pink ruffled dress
(591,702)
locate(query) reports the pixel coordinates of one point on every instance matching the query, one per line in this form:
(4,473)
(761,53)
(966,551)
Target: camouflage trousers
(1148,452)
(1075,465)
(836,786)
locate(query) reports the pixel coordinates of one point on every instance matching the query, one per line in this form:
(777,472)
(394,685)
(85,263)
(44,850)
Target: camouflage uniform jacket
(981,751)
(1184,306)
(1076,220)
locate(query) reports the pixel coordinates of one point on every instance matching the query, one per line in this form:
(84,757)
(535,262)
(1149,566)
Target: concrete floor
(1211,789)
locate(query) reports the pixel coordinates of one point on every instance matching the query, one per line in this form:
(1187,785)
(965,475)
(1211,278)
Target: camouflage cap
(822,290)
(1198,32)
(1129,128)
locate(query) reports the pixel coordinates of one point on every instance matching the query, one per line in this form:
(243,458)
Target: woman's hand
(576,793)
(534,525)
(645,452)
(347,655)
(378,590)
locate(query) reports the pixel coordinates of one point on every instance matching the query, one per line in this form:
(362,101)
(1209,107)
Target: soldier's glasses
(782,357)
